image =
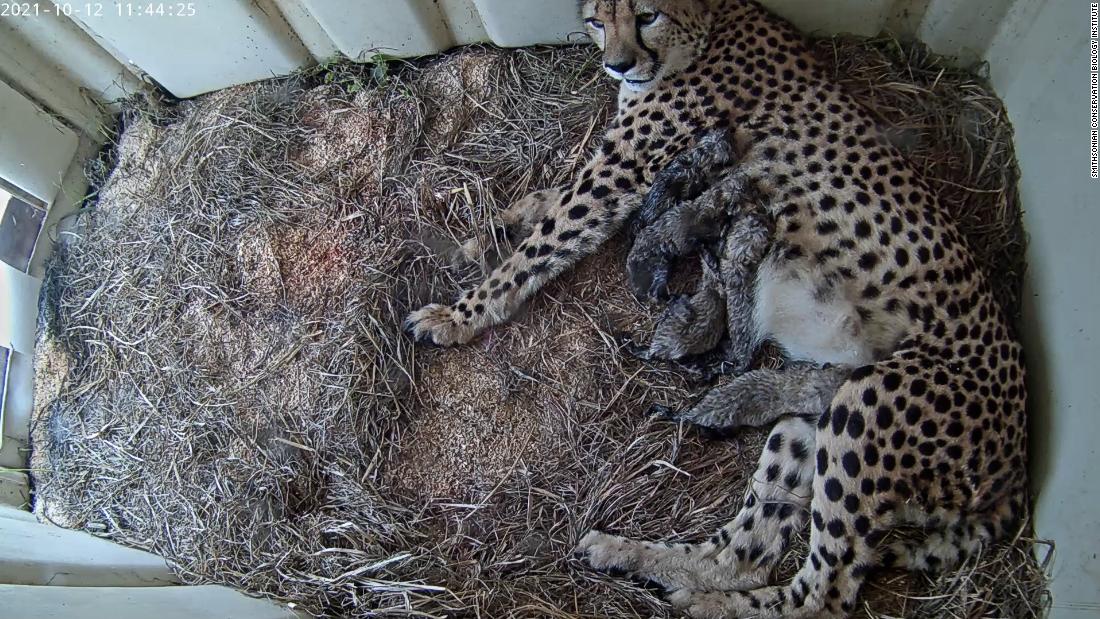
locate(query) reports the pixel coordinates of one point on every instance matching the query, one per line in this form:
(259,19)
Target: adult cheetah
(908,405)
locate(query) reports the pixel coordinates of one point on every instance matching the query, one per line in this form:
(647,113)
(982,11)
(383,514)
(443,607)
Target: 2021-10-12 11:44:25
(98,9)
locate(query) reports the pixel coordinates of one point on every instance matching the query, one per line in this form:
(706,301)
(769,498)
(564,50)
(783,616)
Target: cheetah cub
(700,202)
(918,418)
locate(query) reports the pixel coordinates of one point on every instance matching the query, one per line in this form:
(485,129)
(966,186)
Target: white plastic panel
(204,602)
(513,23)
(225,42)
(11,513)
(73,54)
(230,42)
(963,30)
(20,314)
(50,58)
(18,403)
(35,149)
(862,17)
(1039,64)
(464,21)
(15,491)
(39,554)
(365,27)
(18,319)
(308,30)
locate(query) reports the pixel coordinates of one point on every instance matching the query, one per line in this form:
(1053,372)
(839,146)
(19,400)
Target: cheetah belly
(809,323)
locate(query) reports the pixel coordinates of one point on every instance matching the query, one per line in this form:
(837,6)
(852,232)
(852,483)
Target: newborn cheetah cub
(919,417)
(700,201)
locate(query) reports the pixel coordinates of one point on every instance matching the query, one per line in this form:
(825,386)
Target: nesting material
(223,379)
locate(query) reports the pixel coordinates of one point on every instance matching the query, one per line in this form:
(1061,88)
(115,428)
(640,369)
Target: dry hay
(222,379)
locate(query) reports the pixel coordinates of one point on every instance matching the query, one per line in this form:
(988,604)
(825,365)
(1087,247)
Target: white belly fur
(809,328)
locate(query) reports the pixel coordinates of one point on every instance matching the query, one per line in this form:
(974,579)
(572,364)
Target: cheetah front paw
(606,553)
(440,325)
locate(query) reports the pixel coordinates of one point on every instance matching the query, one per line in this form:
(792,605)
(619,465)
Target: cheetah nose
(621,67)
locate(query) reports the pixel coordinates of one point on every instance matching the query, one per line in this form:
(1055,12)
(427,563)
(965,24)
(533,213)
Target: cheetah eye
(648,18)
(595,23)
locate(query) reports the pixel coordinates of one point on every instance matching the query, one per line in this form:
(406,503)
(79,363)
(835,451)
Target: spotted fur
(865,271)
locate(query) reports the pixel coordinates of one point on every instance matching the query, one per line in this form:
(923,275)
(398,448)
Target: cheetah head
(644,41)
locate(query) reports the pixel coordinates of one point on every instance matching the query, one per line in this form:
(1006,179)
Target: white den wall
(1039,64)
(1038,57)
(223,43)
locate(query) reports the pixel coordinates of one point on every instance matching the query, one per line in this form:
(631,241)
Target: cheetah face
(644,41)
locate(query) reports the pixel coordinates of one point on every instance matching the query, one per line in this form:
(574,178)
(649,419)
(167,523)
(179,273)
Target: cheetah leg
(522,216)
(574,227)
(689,173)
(845,524)
(864,486)
(514,223)
(954,538)
(744,552)
(759,397)
(680,231)
(826,591)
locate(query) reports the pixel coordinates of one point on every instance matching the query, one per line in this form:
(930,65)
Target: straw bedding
(223,380)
